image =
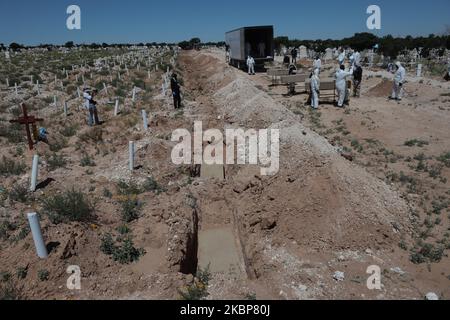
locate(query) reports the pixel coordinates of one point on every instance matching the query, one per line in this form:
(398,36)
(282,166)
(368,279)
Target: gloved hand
(401,84)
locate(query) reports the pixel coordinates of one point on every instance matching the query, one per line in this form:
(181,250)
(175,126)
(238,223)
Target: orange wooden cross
(27,121)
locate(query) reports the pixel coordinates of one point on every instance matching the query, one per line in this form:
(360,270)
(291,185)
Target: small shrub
(22,273)
(9,291)
(72,205)
(10,167)
(6,228)
(445,159)
(357,146)
(94,135)
(250,296)
(86,161)
(23,233)
(128,189)
(402,244)
(124,254)
(130,210)
(151,185)
(58,144)
(5,276)
(69,131)
(416,142)
(123,229)
(13,133)
(107,193)
(43,275)
(56,161)
(107,245)
(127,253)
(199,289)
(19,193)
(427,253)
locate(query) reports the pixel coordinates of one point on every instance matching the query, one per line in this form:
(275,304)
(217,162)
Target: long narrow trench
(216,246)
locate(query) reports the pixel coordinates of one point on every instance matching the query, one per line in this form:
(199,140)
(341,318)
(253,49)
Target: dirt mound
(318,199)
(383,89)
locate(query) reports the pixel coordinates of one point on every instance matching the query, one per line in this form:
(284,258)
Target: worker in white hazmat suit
(341,58)
(352,58)
(315,89)
(447,76)
(251,65)
(399,80)
(317,64)
(357,57)
(341,84)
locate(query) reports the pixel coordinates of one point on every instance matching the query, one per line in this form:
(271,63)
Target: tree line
(388,45)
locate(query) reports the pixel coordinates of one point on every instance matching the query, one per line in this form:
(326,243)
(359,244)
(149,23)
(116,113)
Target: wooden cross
(27,120)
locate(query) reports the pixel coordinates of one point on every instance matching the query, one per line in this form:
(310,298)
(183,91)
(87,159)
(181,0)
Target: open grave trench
(214,240)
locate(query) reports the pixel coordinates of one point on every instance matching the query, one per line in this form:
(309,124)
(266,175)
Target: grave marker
(39,243)
(131,155)
(116,108)
(419,70)
(34,173)
(37,87)
(145,120)
(65,108)
(27,120)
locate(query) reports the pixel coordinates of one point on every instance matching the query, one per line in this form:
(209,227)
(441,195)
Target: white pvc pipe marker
(145,120)
(131,162)
(39,243)
(116,108)
(34,173)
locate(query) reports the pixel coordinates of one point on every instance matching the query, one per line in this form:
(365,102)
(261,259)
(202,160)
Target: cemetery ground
(145,234)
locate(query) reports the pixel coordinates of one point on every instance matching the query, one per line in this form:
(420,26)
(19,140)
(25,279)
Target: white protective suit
(315,89)
(399,79)
(341,85)
(251,65)
(317,64)
(87,100)
(341,58)
(357,57)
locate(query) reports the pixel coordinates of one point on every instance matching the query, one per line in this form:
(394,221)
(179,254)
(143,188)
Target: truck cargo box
(254,41)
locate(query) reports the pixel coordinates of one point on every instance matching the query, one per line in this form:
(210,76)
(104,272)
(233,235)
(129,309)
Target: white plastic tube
(131,161)
(39,243)
(34,173)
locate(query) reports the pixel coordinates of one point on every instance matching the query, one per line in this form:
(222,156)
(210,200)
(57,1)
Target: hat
(398,64)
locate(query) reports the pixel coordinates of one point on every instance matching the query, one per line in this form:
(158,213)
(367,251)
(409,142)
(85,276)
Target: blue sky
(44,21)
